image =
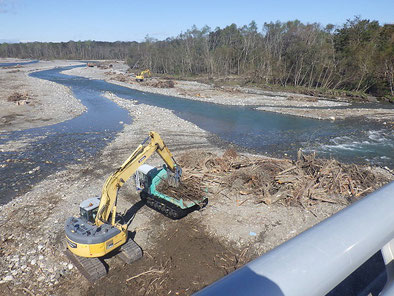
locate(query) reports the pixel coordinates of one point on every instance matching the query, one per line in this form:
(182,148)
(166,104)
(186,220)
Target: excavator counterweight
(99,231)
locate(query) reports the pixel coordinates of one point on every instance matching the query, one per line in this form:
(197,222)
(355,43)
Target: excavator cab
(96,232)
(88,209)
(143,176)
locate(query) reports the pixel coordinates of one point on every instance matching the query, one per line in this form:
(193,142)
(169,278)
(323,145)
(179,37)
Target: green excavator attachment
(181,203)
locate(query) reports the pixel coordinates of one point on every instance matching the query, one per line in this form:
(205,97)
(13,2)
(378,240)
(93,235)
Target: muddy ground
(183,259)
(239,223)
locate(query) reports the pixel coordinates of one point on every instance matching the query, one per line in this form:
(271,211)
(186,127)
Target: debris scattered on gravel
(188,189)
(302,182)
(163,84)
(19,98)
(309,106)
(127,78)
(256,203)
(28,102)
(122,78)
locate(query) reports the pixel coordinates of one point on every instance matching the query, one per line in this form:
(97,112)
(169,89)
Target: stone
(8,278)
(70,266)
(33,262)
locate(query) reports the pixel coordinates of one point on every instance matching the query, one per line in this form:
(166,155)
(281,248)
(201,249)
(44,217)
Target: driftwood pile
(326,180)
(105,66)
(122,78)
(162,84)
(101,65)
(12,67)
(188,189)
(19,98)
(302,182)
(131,80)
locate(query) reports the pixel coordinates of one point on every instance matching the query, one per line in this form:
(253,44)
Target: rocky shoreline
(32,237)
(29,102)
(296,104)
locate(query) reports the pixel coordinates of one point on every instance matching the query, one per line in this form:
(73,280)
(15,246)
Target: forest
(357,56)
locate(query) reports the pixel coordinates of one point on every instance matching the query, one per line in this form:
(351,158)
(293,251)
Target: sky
(121,20)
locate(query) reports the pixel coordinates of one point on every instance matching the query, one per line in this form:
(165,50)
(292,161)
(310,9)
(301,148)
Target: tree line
(357,56)
(75,50)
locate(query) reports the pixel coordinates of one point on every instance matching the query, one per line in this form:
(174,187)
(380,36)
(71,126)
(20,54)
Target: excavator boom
(96,233)
(128,168)
(141,76)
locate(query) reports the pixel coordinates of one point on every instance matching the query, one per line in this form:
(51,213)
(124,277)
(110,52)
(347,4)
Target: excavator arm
(87,241)
(142,75)
(146,72)
(128,168)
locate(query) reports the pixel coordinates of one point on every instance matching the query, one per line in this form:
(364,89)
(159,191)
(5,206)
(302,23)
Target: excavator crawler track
(91,268)
(130,252)
(166,208)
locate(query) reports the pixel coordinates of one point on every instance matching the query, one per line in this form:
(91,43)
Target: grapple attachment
(162,175)
(174,178)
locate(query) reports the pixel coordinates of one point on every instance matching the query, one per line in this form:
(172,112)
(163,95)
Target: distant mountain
(9,41)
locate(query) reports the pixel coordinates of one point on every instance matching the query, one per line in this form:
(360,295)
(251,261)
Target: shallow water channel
(53,147)
(17,63)
(81,138)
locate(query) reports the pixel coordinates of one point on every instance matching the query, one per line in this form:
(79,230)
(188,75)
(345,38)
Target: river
(18,63)
(81,138)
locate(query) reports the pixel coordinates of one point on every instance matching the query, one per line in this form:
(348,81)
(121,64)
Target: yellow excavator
(99,230)
(140,77)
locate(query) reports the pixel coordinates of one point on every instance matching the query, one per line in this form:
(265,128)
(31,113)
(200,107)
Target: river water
(53,147)
(81,138)
(17,63)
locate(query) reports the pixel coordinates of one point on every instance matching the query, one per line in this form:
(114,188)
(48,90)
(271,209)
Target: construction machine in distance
(140,77)
(99,230)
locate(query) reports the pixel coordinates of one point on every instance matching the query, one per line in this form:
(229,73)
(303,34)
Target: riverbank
(238,224)
(28,102)
(189,253)
(280,102)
